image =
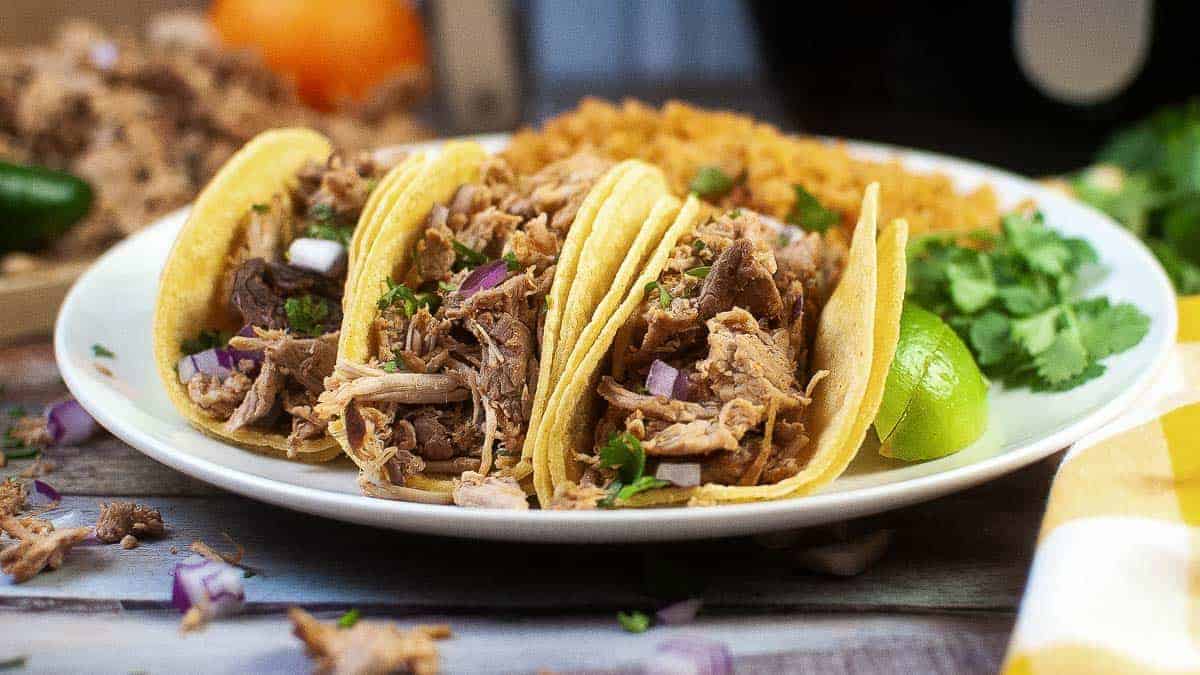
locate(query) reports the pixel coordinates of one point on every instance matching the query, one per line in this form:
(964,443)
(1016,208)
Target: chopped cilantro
(711,182)
(736,213)
(348,619)
(664,298)
(330,231)
(466,257)
(100,351)
(206,339)
(698,245)
(322,212)
(808,213)
(624,453)
(634,622)
(390,366)
(307,314)
(510,261)
(408,300)
(16,411)
(1015,304)
(449,288)
(699,272)
(261,208)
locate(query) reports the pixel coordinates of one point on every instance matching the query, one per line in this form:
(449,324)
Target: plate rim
(623,525)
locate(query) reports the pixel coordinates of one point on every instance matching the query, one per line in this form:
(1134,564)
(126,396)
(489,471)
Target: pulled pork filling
(289,309)
(450,390)
(730,322)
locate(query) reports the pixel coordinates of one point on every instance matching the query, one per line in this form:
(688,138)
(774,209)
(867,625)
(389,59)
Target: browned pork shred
(280,392)
(450,390)
(740,333)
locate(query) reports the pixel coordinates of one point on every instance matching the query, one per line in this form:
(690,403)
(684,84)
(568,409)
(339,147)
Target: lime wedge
(935,399)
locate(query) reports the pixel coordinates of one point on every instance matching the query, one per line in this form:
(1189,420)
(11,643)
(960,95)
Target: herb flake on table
(348,619)
(634,622)
(1016,304)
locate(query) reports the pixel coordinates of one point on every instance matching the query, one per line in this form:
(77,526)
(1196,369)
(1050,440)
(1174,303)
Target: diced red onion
(798,305)
(103,55)
(666,380)
(690,655)
(322,256)
(681,474)
(238,354)
(488,275)
(66,519)
(68,423)
(43,495)
(218,363)
(679,613)
(214,587)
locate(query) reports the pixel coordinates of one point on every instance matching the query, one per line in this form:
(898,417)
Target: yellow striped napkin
(1115,584)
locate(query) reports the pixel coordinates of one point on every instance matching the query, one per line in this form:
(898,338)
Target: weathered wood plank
(942,558)
(149,641)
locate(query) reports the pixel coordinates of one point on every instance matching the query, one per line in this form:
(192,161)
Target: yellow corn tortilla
(614,230)
(378,205)
(569,424)
(191,277)
(564,273)
(397,231)
(855,342)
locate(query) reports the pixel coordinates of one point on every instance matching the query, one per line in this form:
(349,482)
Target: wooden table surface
(941,600)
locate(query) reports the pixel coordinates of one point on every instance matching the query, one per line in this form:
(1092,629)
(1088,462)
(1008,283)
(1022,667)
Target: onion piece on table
(680,474)
(322,256)
(213,587)
(689,655)
(68,423)
(666,380)
(679,613)
(42,495)
(488,275)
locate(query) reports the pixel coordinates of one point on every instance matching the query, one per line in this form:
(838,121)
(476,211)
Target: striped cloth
(1115,584)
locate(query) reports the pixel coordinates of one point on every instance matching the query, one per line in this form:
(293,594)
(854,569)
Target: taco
(481,281)
(250,299)
(747,362)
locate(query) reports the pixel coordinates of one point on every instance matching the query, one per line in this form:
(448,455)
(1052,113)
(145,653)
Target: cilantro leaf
(641,485)
(990,335)
(699,272)
(348,619)
(1112,330)
(206,339)
(408,300)
(100,351)
(1063,359)
(808,213)
(624,452)
(465,257)
(1036,333)
(634,622)
(710,182)
(510,261)
(307,314)
(971,285)
(1092,371)
(664,298)
(330,231)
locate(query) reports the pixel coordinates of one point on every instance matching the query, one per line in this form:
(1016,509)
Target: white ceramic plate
(113,302)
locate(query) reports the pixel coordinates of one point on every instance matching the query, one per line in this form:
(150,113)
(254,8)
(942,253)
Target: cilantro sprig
(1016,304)
(407,299)
(664,297)
(307,314)
(1147,177)
(624,452)
(206,339)
(808,213)
(465,257)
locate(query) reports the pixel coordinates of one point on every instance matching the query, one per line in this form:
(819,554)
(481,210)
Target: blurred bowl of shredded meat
(145,119)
